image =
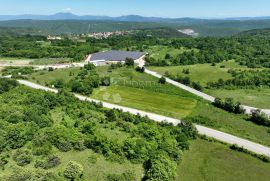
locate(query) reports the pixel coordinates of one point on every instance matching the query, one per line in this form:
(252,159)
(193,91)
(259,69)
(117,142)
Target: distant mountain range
(129,18)
(68,23)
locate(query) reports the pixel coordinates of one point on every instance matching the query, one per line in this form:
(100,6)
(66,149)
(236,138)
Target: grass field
(45,76)
(204,73)
(237,125)
(97,170)
(208,161)
(159,52)
(50,61)
(160,103)
(259,98)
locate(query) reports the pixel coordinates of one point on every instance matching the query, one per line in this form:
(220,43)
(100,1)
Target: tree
(260,118)
(7,84)
(73,170)
(90,66)
(162,80)
(129,62)
(160,167)
(58,83)
(140,69)
(197,86)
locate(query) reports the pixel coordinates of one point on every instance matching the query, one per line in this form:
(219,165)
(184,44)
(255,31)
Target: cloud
(67,9)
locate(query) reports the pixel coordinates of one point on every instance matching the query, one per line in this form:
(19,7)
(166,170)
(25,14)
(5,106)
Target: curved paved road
(201,94)
(224,137)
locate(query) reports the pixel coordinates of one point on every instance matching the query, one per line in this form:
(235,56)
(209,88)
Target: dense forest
(31,135)
(250,49)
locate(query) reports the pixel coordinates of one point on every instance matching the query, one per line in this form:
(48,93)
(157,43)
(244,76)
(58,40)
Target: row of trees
(244,79)
(185,80)
(229,105)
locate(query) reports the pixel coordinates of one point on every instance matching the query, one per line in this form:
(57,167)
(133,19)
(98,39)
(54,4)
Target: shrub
(186,71)
(50,162)
(260,118)
(50,69)
(129,62)
(229,105)
(162,80)
(105,81)
(73,170)
(90,66)
(197,86)
(7,84)
(160,167)
(59,83)
(22,157)
(140,69)
(3,160)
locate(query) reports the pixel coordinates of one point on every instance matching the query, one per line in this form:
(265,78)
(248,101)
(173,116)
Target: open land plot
(43,77)
(215,161)
(159,52)
(202,73)
(259,97)
(205,73)
(141,91)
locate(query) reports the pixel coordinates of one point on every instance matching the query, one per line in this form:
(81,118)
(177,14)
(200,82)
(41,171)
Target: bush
(260,118)
(7,84)
(129,62)
(186,71)
(105,81)
(162,80)
(90,66)
(197,86)
(58,83)
(50,69)
(140,69)
(3,161)
(229,105)
(160,167)
(22,157)
(73,170)
(50,162)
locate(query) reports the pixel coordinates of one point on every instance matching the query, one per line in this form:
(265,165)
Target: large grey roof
(116,55)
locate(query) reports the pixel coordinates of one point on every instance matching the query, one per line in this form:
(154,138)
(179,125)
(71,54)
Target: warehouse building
(113,57)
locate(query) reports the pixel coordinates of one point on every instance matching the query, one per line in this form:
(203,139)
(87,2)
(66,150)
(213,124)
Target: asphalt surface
(218,135)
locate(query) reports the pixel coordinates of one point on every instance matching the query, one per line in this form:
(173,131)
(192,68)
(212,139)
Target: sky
(155,8)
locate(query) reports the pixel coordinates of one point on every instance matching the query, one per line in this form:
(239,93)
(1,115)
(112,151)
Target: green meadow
(215,161)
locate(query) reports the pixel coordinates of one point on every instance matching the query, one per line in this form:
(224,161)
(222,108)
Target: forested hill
(255,32)
(202,27)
